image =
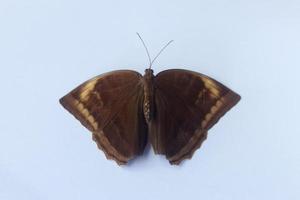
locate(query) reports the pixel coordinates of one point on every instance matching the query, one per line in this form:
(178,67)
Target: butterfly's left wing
(110,106)
(187,105)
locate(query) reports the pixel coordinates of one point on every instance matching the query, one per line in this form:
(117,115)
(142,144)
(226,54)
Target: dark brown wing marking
(187,104)
(110,105)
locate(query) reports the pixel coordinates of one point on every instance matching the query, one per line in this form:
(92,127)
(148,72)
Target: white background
(48,47)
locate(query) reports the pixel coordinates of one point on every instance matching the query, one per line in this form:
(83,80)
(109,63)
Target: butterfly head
(148,73)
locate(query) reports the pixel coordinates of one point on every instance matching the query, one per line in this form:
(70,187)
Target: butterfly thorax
(148,94)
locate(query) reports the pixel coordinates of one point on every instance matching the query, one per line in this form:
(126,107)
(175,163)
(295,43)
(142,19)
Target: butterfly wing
(110,106)
(187,105)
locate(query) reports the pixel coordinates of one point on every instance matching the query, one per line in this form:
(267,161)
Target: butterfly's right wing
(110,106)
(187,105)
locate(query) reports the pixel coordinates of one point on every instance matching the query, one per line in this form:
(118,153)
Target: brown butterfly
(174,110)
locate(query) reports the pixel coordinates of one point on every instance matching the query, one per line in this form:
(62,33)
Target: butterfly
(172,110)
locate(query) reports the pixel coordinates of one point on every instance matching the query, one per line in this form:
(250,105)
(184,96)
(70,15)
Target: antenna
(149,57)
(161,51)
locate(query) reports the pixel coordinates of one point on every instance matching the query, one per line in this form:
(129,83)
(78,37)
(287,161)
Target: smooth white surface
(49,47)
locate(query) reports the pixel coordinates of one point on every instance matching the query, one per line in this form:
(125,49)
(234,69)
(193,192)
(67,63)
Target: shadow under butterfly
(173,110)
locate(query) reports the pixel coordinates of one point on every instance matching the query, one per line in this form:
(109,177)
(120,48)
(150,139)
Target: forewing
(110,106)
(187,105)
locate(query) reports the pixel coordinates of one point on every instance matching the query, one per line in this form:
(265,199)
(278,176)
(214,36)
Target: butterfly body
(148,79)
(172,110)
